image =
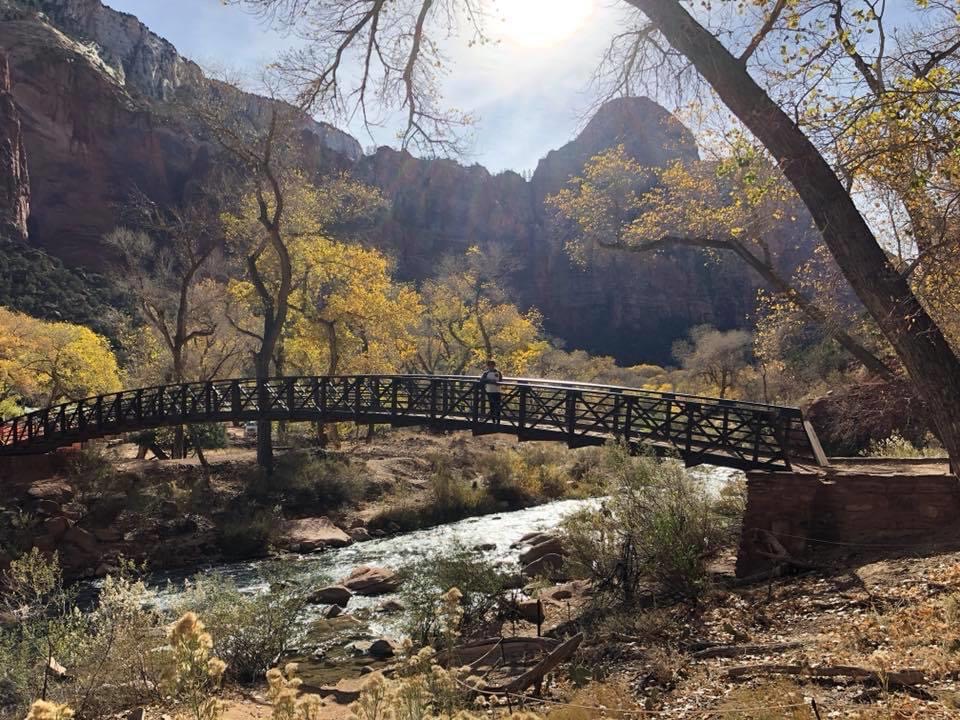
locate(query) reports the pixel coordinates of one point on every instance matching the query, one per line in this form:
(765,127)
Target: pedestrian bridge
(731,433)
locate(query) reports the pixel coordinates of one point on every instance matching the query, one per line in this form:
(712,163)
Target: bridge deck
(698,429)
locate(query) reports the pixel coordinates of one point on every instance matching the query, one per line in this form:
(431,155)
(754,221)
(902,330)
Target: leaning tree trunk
(931,363)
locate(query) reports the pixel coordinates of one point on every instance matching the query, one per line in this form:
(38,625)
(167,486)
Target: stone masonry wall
(845,511)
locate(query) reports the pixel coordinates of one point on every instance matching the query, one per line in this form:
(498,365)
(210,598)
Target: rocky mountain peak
(650,135)
(149,64)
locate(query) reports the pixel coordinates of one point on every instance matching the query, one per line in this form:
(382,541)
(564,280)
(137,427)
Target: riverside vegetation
(656,612)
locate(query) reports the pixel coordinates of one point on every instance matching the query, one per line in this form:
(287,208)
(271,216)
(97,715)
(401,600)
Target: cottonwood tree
(735,52)
(261,142)
(715,356)
(468,319)
(42,362)
(165,264)
(735,203)
(326,282)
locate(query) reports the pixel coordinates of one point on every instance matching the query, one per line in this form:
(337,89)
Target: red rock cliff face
(14,180)
(88,142)
(92,86)
(627,305)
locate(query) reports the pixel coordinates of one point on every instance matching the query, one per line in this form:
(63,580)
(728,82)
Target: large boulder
(54,490)
(57,527)
(331,595)
(370,580)
(309,534)
(549,566)
(82,539)
(547,546)
(382,649)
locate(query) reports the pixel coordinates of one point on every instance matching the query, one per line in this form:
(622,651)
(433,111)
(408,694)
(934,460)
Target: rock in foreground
(369,580)
(310,534)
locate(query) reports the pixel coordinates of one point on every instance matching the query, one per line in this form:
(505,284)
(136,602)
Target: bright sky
(528,93)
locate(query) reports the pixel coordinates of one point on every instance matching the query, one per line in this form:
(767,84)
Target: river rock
(360,647)
(370,580)
(334,611)
(332,595)
(360,534)
(550,565)
(81,538)
(530,538)
(108,535)
(104,569)
(550,546)
(57,527)
(45,543)
(50,508)
(56,669)
(312,533)
(58,491)
(382,649)
(392,606)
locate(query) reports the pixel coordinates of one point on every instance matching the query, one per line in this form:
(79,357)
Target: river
(501,531)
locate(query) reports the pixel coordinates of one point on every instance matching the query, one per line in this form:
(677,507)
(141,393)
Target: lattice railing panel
(697,429)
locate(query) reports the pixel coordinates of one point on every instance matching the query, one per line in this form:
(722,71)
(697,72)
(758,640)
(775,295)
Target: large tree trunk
(920,344)
(264,427)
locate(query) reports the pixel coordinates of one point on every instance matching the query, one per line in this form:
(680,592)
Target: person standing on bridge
(491,380)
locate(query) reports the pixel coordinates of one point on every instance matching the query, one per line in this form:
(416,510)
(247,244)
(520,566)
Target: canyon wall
(14,179)
(95,88)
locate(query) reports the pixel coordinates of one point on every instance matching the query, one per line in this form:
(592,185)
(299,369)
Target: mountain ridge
(92,87)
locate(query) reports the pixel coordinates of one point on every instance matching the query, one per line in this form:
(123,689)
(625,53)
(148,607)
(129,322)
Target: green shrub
(106,650)
(247,531)
(896,446)
(658,524)
(508,478)
(451,495)
(91,468)
(480,582)
(210,436)
(307,483)
(250,631)
(16,531)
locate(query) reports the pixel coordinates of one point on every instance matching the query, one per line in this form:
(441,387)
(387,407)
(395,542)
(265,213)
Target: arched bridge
(698,429)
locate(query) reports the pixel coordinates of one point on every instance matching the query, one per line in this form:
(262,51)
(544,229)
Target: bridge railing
(700,429)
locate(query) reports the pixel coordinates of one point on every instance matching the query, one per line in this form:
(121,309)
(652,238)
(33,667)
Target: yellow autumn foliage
(43,362)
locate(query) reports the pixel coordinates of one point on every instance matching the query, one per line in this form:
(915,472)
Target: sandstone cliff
(92,87)
(14,181)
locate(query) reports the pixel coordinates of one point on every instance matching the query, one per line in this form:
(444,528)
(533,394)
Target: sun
(539,23)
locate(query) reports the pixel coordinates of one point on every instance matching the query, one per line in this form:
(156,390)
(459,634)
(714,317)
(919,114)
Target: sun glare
(540,23)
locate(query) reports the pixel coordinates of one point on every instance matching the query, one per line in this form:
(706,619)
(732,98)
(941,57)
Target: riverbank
(106,504)
(874,640)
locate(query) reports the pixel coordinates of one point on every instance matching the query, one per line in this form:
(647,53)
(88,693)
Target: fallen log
(895,678)
(728,651)
(536,674)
